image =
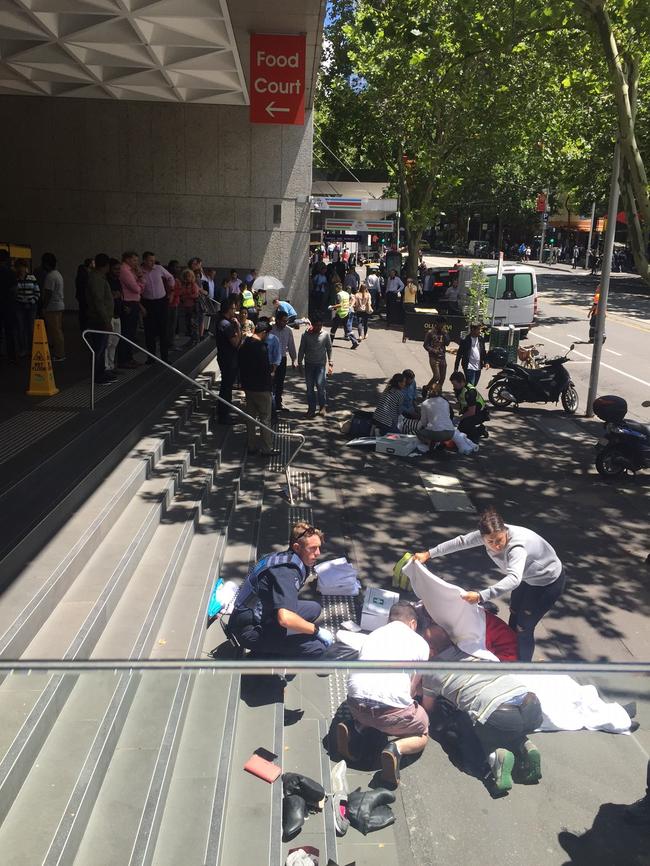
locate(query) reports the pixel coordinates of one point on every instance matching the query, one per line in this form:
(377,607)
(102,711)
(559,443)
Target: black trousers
(155,325)
(509,725)
(269,638)
(129,318)
(528,604)
(278,383)
(228,369)
(99,342)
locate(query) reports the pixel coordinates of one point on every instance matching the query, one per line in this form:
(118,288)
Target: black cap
(262,327)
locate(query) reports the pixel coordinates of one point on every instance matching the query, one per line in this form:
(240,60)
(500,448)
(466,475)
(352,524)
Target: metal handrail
(290,434)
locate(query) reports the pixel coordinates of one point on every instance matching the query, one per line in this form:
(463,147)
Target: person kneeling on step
(268,618)
(384,701)
(501,708)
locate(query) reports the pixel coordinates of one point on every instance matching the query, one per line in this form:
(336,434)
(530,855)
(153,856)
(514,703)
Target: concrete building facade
(163,171)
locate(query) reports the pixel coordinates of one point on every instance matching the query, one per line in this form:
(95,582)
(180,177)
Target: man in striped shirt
(28,295)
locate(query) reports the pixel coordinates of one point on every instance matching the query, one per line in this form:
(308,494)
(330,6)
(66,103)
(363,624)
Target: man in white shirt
(394,289)
(287,344)
(384,701)
(436,423)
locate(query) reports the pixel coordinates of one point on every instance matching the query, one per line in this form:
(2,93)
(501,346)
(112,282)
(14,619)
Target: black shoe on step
(294,810)
(390,758)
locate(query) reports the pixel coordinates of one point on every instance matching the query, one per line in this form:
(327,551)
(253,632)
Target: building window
(277,214)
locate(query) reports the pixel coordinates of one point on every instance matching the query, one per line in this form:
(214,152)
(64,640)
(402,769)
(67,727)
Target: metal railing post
(195,384)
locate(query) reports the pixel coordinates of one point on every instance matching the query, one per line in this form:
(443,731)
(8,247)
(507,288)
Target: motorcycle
(625,447)
(550,382)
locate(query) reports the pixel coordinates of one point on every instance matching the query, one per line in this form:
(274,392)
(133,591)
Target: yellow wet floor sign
(41,379)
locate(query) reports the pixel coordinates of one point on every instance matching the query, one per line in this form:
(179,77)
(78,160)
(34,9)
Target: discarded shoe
(369,810)
(341,812)
(339,778)
(311,791)
(294,810)
(390,758)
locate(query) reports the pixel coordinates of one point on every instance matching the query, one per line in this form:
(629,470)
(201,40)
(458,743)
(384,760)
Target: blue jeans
(472,377)
(347,327)
(316,382)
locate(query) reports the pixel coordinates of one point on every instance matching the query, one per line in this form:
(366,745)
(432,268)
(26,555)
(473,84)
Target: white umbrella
(268,284)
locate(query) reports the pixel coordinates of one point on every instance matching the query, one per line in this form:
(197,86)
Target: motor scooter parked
(548,383)
(625,445)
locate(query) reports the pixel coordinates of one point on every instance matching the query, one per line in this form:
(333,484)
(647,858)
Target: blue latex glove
(325,635)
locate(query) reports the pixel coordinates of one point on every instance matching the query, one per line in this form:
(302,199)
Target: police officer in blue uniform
(268,617)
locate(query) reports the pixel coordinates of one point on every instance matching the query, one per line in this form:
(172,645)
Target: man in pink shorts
(384,701)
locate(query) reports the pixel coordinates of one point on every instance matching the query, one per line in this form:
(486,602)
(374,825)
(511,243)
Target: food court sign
(277,79)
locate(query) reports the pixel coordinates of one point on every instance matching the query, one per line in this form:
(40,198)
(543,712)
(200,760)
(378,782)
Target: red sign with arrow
(277,82)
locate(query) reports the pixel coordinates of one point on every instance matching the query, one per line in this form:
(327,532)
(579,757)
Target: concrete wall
(85,176)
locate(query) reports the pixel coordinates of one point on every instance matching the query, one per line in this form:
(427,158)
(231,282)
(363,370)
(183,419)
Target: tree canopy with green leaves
(460,102)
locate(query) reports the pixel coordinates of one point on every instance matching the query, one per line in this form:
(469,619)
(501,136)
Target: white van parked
(516,294)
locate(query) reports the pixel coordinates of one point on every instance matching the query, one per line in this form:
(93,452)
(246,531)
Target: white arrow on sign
(271,109)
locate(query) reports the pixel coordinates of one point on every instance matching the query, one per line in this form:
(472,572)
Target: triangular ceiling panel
(65,23)
(77,6)
(11,47)
(173,55)
(18,25)
(53,71)
(205,60)
(206,31)
(108,55)
(170,50)
(179,9)
(207,79)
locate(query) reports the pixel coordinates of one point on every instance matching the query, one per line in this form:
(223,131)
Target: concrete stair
(123,767)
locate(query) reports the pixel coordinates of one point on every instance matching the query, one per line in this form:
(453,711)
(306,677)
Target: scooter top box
(610,409)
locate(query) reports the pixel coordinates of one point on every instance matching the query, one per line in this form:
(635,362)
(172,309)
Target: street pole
(544,216)
(604,282)
(591,234)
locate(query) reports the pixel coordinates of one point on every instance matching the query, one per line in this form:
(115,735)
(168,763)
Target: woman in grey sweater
(533,573)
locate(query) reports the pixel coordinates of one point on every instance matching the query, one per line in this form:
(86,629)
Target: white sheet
(465,623)
(569,706)
(566,705)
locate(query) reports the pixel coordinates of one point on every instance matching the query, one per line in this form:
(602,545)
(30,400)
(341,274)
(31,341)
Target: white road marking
(611,351)
(446,493)
(602,363)
(573,337)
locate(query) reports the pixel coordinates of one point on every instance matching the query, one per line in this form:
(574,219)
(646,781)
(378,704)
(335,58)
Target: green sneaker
(528,765)
(400,581)
(501,763)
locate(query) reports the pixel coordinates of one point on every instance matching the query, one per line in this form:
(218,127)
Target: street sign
(541,203)
(359,225)
(277,79)
(545,216)
(500,266)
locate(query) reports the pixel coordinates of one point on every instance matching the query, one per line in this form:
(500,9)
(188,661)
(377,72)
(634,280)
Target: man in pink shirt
(132,283)
(234,284)
(158,284)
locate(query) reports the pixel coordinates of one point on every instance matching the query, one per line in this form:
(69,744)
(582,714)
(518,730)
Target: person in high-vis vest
(268,618)
(248,304)
(343,315)
(471,406)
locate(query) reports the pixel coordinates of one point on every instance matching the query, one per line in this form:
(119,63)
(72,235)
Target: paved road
(565,297)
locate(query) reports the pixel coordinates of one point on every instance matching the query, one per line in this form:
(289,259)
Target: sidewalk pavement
(537,467)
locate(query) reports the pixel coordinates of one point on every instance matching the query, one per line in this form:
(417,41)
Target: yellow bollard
(41,379)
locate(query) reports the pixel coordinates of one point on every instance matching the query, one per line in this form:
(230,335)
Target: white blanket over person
(566,705)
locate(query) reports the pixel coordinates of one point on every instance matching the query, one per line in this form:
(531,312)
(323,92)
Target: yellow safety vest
(344,300)
(247,299)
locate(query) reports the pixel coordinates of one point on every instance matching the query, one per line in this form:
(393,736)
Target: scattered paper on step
(337,577)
